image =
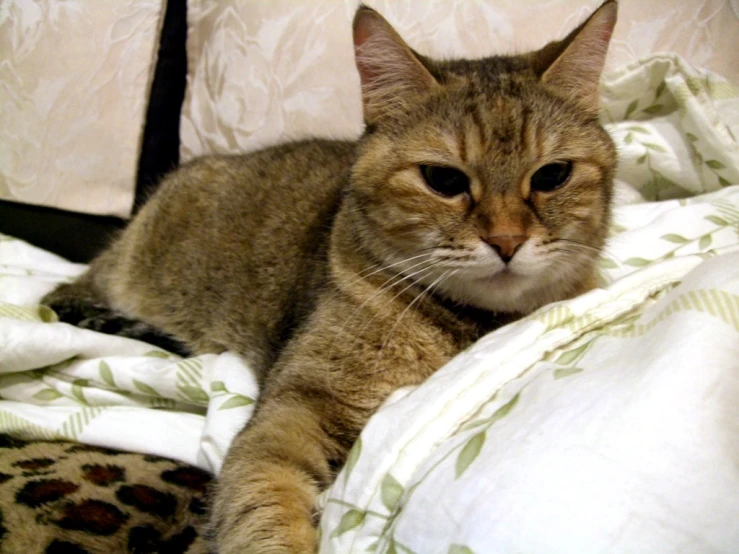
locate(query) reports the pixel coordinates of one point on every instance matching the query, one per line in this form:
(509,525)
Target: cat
(341,271)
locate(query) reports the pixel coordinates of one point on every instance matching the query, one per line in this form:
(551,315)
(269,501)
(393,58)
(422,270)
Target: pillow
(74,82)
(261,72)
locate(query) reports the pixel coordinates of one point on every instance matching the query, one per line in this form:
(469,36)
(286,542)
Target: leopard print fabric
(68,498)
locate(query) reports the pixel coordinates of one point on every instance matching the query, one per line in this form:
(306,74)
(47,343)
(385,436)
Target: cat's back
(303,171)
(233,243)
(239,201)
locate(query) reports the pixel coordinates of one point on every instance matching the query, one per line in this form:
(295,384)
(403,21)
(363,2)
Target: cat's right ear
(390,73)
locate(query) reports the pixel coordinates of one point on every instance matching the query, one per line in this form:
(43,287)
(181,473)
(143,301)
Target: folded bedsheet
(606,423)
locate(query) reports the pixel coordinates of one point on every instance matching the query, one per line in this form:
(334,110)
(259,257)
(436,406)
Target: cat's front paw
(269,510)
(258,532)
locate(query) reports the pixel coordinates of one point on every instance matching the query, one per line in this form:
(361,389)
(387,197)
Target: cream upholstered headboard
(74,84)
(261,71)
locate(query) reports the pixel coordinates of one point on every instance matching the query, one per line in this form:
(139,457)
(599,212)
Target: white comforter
(608,423)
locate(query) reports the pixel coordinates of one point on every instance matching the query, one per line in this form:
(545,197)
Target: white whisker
(387,285)
(425,291)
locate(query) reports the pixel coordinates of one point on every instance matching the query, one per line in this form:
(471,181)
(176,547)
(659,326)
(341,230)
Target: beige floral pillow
(263,71)
(74,81)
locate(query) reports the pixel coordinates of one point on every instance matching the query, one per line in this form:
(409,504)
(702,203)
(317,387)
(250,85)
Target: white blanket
(607,423)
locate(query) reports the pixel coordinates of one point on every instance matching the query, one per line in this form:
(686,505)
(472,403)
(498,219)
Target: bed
(607,423)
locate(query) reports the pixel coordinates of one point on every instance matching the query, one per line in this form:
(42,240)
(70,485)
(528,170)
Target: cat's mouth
(502,276)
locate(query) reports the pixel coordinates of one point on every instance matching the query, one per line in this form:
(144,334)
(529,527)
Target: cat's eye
(551,176)
(446,181)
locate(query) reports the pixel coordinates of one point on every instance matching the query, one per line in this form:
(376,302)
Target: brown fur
(341,276)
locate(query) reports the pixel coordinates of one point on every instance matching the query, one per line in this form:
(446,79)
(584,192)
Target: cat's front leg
(265,500)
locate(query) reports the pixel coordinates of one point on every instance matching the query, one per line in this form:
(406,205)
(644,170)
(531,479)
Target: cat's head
(488,180)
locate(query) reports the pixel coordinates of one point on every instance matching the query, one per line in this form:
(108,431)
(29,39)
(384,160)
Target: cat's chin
(506,291)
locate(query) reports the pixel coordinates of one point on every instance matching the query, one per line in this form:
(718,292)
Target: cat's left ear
(574,65)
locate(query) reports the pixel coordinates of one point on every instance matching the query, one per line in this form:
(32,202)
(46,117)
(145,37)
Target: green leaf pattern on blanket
(99,383)
(189,376)
(350,520)
(105,374)
(720,304)
(606,263)
(47,395)
(159,354)
(673,237)
(77,387)
(95,384)
(143,387)
(352,458)
(722,231)
(391,492)
(646,160)
(566,372)
(468,454)
(474,445)
(460,549)
(235,400)
(27,313)
(637,262)
(569,357)
(195,394)
(705,240)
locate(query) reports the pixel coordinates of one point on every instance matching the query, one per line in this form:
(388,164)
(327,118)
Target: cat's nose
(506,245)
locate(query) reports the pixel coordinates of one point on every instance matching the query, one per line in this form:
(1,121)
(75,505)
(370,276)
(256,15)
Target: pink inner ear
(605,33)
(363,31)
(363,28)
(604,29)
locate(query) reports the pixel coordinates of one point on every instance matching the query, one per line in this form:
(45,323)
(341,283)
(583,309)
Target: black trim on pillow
(80,237)
(77,237)
(160,152)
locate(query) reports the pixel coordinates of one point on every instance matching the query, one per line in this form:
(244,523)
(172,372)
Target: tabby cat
(479,191)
